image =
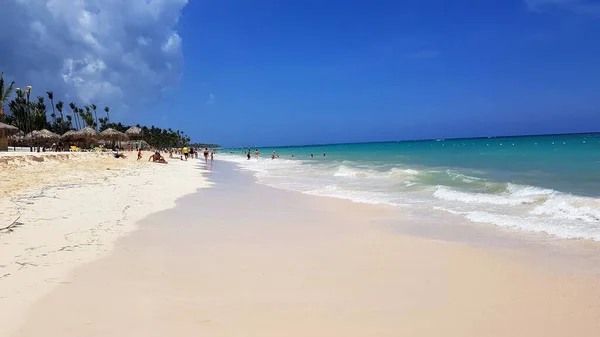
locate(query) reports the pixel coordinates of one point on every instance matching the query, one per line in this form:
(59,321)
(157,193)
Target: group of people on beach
(274,155)
(183,153)
(190,152)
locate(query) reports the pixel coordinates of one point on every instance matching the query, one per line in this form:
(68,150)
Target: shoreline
(261,261)
(479,194)
(543,249)
(70,209)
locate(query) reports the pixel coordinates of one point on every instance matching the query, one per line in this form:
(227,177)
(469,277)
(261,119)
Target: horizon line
(420,140)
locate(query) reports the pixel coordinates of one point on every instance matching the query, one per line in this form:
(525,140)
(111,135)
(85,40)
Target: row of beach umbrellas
(84,134)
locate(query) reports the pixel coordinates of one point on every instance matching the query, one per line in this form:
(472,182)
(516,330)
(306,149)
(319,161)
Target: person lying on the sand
(157,158)
(119,155)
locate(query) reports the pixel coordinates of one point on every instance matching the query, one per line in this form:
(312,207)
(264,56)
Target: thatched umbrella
(7,130)
(42,136)
(113,135)
(67,136)
(85,136)
(87,133)
(134,132)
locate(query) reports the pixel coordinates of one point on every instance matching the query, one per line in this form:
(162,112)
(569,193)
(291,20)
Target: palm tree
(95,115)
(4,93)
(51,98)
(82,115)
(107,109)
(75,111)
(39,114)
(59,107)
(62,126)
(18,106)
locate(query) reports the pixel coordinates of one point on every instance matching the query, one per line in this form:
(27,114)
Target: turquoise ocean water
(545,184)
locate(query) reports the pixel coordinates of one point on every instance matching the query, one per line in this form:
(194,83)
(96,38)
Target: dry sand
(242,259)
(69,209)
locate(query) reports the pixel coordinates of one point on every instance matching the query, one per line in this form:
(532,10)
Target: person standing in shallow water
(256,154)
(248,154)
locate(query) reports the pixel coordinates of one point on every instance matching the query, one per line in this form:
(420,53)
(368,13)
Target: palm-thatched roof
(7,130)
(134,132)
(112,134)
(68,135)
(86,133)
(41,136)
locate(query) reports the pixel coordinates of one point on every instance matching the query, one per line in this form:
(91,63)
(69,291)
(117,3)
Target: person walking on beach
(139,154)
(212,156)
(206,154)
(186,153)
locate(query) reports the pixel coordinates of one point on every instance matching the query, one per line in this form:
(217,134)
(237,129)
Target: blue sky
(267,72)
(298,72)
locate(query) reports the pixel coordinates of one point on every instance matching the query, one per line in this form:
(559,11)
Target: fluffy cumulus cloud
(104,51)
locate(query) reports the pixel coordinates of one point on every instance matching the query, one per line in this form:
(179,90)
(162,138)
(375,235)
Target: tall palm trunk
(51,98)
(95,115)
(75,112)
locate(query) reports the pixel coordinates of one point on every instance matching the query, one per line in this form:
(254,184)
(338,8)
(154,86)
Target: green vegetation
(29,114)
(210,146)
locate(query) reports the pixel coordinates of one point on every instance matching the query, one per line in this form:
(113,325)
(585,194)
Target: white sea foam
(446,193)
(345,171)
(463,177)
(567,207)
(523,207)
(566,230)
(365,197)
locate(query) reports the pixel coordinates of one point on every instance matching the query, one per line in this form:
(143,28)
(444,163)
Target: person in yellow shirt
(186,152)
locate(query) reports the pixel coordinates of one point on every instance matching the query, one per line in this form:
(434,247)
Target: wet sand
(242,259)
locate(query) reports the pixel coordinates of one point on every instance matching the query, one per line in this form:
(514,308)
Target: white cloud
(173,43)
(113,52)
(144,41)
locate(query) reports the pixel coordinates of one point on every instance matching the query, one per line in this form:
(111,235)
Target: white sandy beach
(242,259)
(69,209)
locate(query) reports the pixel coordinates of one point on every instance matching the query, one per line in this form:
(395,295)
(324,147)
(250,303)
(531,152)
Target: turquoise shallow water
(544,183)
